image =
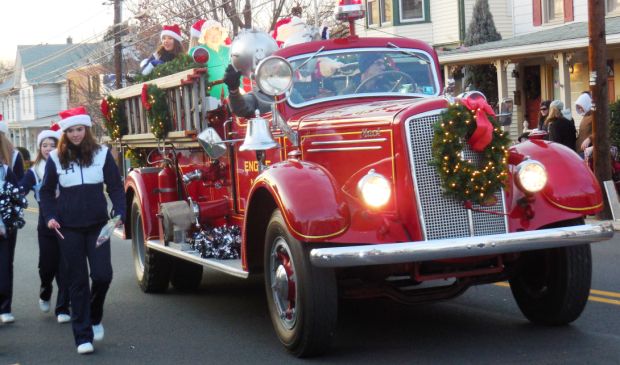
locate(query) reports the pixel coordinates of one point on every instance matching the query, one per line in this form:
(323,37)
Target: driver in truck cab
(370,65)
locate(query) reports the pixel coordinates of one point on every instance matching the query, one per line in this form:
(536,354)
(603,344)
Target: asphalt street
(226,322)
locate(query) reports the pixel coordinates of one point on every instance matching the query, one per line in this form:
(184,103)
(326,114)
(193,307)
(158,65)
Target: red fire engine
(334,195)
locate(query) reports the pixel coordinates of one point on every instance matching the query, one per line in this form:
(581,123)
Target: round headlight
(274,75)
(531,176)
(374,189)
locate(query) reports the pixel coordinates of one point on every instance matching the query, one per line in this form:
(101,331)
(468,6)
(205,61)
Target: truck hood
(364,110)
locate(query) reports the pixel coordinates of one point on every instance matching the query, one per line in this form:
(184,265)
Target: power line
(51,74)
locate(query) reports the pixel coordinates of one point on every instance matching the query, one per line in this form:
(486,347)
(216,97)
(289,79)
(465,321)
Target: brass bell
(258,136)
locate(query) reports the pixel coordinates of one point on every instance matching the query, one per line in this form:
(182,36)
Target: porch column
(446,75)
(502,79)
(563,60)
(27,144)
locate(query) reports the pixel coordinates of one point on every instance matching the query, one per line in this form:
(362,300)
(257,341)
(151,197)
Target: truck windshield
(362,72)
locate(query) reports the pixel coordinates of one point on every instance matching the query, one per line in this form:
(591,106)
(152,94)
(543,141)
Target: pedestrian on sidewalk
(79,168)
(50,265)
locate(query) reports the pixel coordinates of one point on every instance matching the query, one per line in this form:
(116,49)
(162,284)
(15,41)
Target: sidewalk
(592,220)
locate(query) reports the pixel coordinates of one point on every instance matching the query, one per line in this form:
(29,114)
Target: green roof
(48,63)
(562,33)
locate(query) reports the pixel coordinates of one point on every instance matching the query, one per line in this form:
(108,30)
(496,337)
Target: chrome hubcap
(283,283)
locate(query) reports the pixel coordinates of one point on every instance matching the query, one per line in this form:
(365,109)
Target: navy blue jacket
(81,202)
(29,182)
(17,165)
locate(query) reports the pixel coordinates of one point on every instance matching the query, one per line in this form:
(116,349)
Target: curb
(616,223)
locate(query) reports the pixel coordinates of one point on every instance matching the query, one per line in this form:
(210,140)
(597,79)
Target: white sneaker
(98,332)
(63,318)
(44,305)
(7,318)
(85,348)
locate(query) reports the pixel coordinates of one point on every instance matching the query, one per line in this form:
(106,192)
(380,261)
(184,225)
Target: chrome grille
(444,217)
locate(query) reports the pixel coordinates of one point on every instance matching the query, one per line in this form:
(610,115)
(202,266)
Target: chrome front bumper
(393,253)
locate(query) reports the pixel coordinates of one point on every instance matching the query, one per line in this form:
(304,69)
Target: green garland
(181,62)
(136,157)
(115,120)
(460,178)
(154,101)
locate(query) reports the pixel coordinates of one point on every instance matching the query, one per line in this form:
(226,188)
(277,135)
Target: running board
(231,267)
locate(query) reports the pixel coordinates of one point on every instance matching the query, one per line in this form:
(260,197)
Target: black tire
(186,276)
(306,326)
(152,267)
(552,286)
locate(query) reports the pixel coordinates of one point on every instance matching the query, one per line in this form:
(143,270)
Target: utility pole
(597,60)
(118,47)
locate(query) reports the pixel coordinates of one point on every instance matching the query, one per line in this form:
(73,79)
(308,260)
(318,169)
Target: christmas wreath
(154,101)
(470,120)
(114,115)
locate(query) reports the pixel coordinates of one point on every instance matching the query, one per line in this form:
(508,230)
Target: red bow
(483,134)
(105,108)
(145,97)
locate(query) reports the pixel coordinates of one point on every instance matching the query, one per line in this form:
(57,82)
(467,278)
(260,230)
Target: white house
(547,58)
(31,99)
(439,22)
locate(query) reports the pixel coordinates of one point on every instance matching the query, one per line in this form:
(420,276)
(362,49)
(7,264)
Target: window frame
(614,12)
(380,22)
(558,17)
(413,20)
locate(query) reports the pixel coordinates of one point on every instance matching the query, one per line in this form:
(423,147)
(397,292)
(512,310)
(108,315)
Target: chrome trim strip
(393,253)
(336,149)
(349,141)
(470,220)
(231,267)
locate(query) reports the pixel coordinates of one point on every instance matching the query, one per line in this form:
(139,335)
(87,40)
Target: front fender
(571,185)
(135,181)
(308,196)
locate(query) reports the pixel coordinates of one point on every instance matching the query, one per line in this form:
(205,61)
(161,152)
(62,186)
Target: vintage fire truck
(334,196)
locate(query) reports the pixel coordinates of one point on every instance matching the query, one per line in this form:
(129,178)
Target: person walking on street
(50,265)
(79,168)
(16,162)
(8,230)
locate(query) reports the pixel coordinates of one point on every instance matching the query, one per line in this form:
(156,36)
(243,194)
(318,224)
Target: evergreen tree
(481,30)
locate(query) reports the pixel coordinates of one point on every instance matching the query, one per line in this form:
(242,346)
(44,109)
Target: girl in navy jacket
(79,167)
(7,254)
(14,159)
(49,249)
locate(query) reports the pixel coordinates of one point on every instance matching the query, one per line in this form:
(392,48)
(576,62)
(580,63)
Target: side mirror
(211,142)
(505,111)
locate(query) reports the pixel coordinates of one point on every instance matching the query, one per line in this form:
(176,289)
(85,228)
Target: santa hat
(53,132)
(73,117)
(172,31)
(194,31)
(287,27)
(210,24)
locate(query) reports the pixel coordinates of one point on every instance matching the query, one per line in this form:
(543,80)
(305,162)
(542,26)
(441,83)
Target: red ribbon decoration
(145,97)
(483,134)
(105,108)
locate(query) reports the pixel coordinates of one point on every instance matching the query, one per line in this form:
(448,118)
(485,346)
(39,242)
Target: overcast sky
(38,22)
